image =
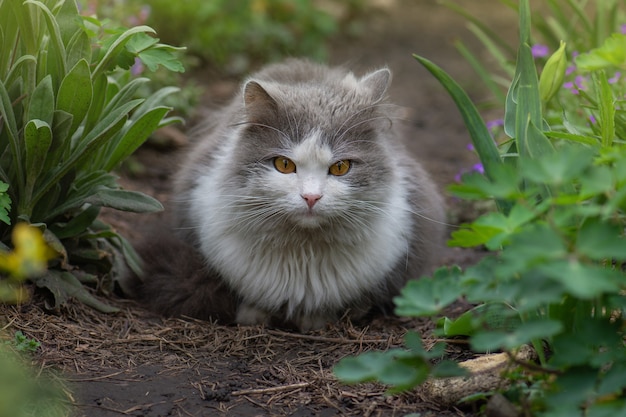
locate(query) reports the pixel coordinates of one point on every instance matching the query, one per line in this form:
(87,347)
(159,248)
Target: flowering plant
(554,278)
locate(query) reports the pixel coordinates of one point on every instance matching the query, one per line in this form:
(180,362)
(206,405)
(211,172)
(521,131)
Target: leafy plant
(555,274)
(235,34)
(69,116)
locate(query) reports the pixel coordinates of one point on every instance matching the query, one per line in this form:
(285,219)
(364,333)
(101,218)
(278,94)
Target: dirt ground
(137,364)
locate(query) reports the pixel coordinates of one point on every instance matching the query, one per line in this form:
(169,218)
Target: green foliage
(23,394)
(21,343)
(235,34)
(555,274)
(69,116)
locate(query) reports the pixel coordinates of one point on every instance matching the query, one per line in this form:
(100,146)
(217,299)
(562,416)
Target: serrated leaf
(116,48)
(75,93)
(583,281)
(601,241)
(522,334)
(125,200)
(428,296)
(154,57)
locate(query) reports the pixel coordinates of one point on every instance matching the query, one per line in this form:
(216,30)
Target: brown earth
(134,363)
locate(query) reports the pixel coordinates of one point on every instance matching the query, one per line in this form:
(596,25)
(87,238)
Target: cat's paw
(248,315)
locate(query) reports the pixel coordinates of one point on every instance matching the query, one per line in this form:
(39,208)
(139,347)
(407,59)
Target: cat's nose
(311,199)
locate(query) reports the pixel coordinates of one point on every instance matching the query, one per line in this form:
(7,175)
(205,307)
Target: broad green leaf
(125,200)
(5,204)
(79,47)
(522,334)
(77,224)
(581,280)
(41,104)
(75,93)
(612,53)
(557,168)
(139,131)
(140,42)
(37,140)
(601,241)
(428,296)
(56,49)
(67,19)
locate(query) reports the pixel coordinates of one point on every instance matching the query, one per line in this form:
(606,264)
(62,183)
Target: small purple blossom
(478,168)
(470,147)
(492,124)
(615,78)
(580,81)
(137,67)
(570,69)
(539,51)
(592,119)
(622,29)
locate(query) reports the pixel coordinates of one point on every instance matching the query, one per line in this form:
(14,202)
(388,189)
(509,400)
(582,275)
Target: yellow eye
(340,168)
(284,165)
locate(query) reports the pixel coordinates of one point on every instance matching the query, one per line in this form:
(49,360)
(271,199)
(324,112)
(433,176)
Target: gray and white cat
(300,202)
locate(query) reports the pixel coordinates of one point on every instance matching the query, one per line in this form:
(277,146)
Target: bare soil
(138,364)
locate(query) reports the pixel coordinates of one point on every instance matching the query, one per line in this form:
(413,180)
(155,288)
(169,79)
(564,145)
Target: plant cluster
(235,34)
(69,116)
(554,276)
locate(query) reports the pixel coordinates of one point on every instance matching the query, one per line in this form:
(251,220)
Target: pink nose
(311,199)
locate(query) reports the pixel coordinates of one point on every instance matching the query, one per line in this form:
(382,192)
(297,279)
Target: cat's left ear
(377,83)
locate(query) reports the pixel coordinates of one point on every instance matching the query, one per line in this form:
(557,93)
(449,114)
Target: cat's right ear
(258,103)
(377,83)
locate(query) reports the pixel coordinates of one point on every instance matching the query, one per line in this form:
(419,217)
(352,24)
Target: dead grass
(273,370)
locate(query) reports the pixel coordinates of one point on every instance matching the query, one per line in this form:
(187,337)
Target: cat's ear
(258,103)
(377,83)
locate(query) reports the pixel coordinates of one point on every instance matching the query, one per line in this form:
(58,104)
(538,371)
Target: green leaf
(612,53)
(601,241)
(75,93)
(428,296)
(482,140)
(56,49)
(154,57)
(37,140)
(136,135)
(583,281)
(125,200)
(522,334)
(63,286)
(77,225)
(41,104)
(557,168)
(112,53)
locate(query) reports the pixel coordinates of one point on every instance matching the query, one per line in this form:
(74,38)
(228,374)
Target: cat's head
(314,151)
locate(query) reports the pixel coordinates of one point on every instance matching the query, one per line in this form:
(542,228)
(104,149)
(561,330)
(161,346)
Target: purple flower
(580,82)
(539,50)
(570,69)
(622,29)
(470,147)
(478,168)
(492,124)
(137,67)
(592,119)
(615,78)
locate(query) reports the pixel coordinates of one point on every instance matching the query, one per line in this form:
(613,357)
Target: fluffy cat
(299,203)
